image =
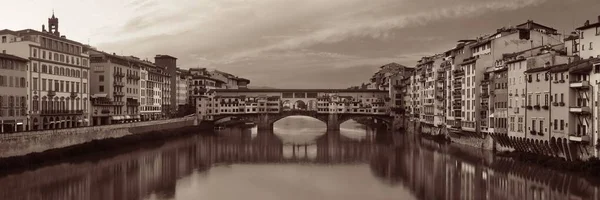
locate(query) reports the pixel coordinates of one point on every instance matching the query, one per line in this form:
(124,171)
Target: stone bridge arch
(387,120)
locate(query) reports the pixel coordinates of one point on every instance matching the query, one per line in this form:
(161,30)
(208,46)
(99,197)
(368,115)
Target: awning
(84,120)
(99,95)
(116,118)
(492,115)
(136,116)
(19,123)
(127,117)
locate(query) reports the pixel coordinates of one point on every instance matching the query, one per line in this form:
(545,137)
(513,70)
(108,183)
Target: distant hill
(260,87)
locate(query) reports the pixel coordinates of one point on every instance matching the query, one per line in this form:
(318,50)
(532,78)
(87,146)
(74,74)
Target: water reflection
(245,164)
(436,172)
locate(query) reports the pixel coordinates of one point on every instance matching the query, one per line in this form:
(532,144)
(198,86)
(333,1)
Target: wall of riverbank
(20,144)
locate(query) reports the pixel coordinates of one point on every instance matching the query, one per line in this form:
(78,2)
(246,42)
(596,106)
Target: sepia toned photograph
(297,100)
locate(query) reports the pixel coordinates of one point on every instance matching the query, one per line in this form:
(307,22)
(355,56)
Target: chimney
(62,36)
(587,22)
(3,51)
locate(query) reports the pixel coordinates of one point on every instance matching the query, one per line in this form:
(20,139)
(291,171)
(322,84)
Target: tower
(53,25)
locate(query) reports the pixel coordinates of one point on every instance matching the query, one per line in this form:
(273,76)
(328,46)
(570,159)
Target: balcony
(119,74)
(545,107)
(51,93)
(529,107)
(118,84)
(580,110)
(73,94)
(537,107)
(117,94)
(133,103)
(579,84)
(555,104)
(579,138)
(60,112)
(133,76)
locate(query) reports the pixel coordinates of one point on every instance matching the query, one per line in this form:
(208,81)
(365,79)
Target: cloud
(248,38)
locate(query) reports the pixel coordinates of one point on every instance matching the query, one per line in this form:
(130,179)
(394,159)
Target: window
(562,97)
(3,39)
(43,84)
(101,78)
(533,124)
(591,48)
(101,88)
(562,124)
(35,83)
(84,88)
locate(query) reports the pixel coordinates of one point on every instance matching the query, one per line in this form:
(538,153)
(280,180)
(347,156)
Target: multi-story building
(13,93)
(487,51)
(499,120)
(537,103)
(588,40)
(181,90)
(153,82)
(169,63)
(57,73)
(229,81)
(115,88)
(457,56)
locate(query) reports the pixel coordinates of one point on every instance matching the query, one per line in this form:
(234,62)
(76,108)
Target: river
(298,160)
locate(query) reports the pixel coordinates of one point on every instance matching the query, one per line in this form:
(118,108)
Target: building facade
(169,63)
(115,88)
(13,93)
(58,76)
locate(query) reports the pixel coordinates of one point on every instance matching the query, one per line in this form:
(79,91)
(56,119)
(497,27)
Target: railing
(73,94)
(119,94)
(61,112)
(579,84)
(119,74)
(51,93)
(119,83)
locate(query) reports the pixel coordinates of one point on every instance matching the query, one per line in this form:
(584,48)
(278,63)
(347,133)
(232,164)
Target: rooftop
(12,57)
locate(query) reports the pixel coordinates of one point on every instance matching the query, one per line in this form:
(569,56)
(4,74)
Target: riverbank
(98,149)
(23,143)
(589,168)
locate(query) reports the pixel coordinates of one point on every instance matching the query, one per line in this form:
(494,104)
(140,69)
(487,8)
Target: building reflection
(154,172)
(435,172)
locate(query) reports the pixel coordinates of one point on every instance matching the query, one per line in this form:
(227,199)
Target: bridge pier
(263,123)
(333,123)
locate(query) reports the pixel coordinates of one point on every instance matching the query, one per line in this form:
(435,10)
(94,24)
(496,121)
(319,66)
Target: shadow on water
(396,167)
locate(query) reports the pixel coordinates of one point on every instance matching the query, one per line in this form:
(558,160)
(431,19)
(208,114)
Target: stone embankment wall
(20,144)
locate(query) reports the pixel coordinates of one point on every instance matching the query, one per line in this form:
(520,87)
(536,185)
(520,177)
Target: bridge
(264,107)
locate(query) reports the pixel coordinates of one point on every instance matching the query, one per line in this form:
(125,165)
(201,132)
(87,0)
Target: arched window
(62,71)
(56,71)
(44,104)
(49,69)
(44,69)
(85,75)
(72,72)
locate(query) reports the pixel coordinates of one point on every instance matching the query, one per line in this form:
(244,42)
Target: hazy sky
(289,43)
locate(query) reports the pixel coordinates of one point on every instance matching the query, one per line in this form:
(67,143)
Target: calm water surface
(298,160)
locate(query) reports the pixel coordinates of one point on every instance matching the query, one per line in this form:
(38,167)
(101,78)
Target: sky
(289,43)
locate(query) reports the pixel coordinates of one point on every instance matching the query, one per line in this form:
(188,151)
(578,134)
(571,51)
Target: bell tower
(53,25)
